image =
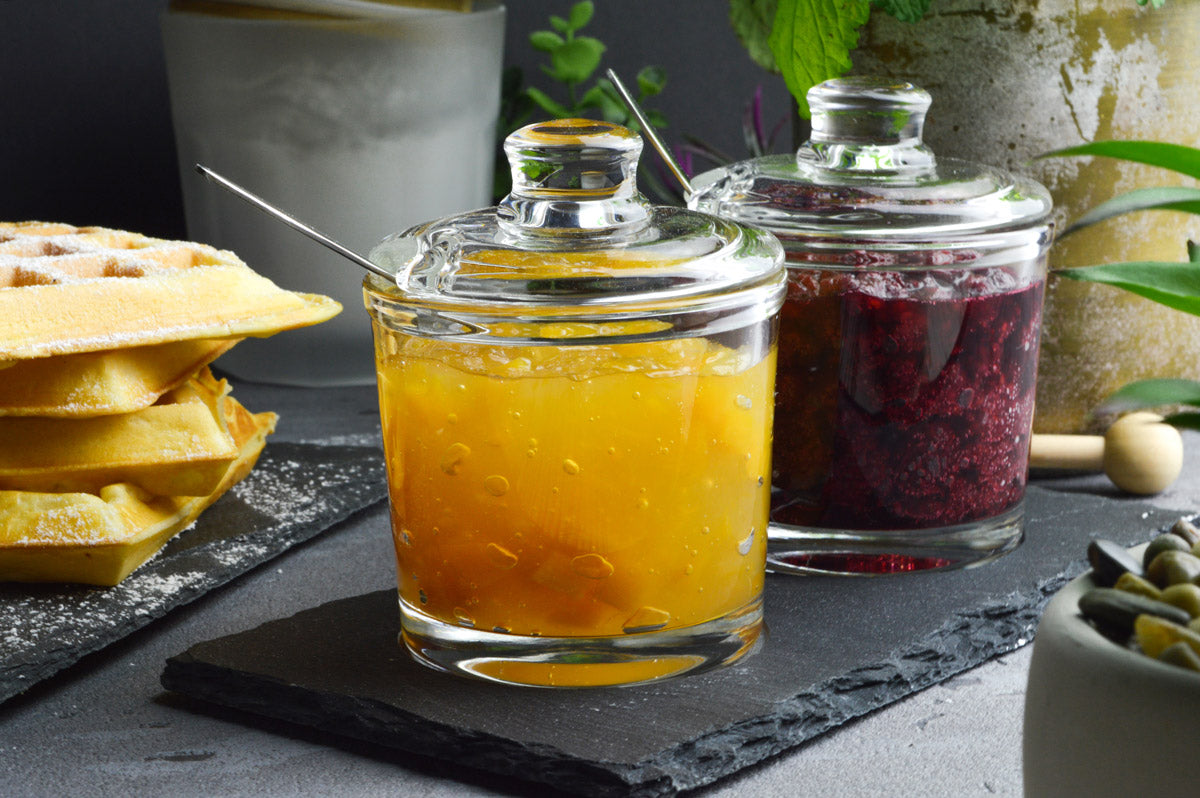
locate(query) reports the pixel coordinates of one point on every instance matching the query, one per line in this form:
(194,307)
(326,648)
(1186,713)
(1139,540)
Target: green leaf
(1176,157)
(1142,199)
(545,40)
(752,21)
(604,96)
(581,14)
(651,80)
(903,10)
(812,40)
(537,171)
(577,59)
(1193,250)
(1151,393)
(1176,285)
(560,25)
(548,105)
(1184,420)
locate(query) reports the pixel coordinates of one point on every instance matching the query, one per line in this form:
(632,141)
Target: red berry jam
(904,397)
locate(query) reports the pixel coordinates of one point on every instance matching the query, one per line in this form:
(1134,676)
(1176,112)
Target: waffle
(99,538)
(103,383)
(66,290)
(180,446)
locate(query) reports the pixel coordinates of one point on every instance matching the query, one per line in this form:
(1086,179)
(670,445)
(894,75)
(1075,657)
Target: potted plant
(1173,284)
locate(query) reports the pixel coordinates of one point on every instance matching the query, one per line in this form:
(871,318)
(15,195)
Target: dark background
(85,125)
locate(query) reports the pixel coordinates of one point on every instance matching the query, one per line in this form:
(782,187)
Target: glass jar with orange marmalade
(576,391)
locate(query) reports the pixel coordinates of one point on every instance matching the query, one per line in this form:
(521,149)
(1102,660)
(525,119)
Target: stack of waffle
(114,435)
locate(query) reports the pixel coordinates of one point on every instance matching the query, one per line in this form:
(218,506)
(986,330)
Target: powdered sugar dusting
(295,492)
(290,491)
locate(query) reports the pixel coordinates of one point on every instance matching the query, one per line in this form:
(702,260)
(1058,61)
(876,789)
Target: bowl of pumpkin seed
(1112,706)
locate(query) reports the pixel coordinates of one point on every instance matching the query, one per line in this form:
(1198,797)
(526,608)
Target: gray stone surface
(837,649)
(105,726)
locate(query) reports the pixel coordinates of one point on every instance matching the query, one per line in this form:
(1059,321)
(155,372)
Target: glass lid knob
(573,175)
(867,125)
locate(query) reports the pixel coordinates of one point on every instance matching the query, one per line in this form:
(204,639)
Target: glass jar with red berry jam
(908,341)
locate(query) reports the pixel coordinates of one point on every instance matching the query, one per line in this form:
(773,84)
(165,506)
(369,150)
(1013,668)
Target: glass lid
(575,233)
(866,174)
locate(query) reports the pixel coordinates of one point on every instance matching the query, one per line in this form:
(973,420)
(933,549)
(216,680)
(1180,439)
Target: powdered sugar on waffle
(65,290)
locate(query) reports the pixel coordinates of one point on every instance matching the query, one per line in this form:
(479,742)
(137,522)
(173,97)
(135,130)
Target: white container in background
(357,127)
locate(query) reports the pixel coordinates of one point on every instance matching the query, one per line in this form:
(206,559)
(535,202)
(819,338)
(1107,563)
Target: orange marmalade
(577,490)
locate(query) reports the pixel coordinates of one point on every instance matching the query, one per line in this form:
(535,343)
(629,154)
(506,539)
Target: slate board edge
(709,756)
(293,535)
(862,691)
(378,723)
(697,763)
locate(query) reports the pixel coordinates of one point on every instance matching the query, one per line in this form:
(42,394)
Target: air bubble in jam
(746,544)
(570,467)
(592,566)
(744,401)
(453,457)
(647,619)
(421,595)
(496,485)
(500,556)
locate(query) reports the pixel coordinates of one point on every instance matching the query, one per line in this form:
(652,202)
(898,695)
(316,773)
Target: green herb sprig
(573,61)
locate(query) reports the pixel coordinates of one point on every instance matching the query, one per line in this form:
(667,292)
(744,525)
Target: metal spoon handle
(651,134)
(292,221)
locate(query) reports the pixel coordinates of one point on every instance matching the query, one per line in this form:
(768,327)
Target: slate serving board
(294,492)
(837,648)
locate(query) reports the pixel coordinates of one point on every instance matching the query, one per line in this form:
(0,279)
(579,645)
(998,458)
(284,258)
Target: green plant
(573,61)
(1174,284)
(810,41)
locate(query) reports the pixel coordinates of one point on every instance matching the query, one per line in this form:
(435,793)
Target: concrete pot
(1102,720)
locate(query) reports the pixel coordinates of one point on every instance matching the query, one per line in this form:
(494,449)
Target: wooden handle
(1076,452)
(1139,453)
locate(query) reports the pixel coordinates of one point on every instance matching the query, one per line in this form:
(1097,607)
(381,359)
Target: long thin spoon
(292,221)
(651,134)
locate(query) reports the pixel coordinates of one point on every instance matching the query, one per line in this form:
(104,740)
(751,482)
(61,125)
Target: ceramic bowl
(1101,719)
